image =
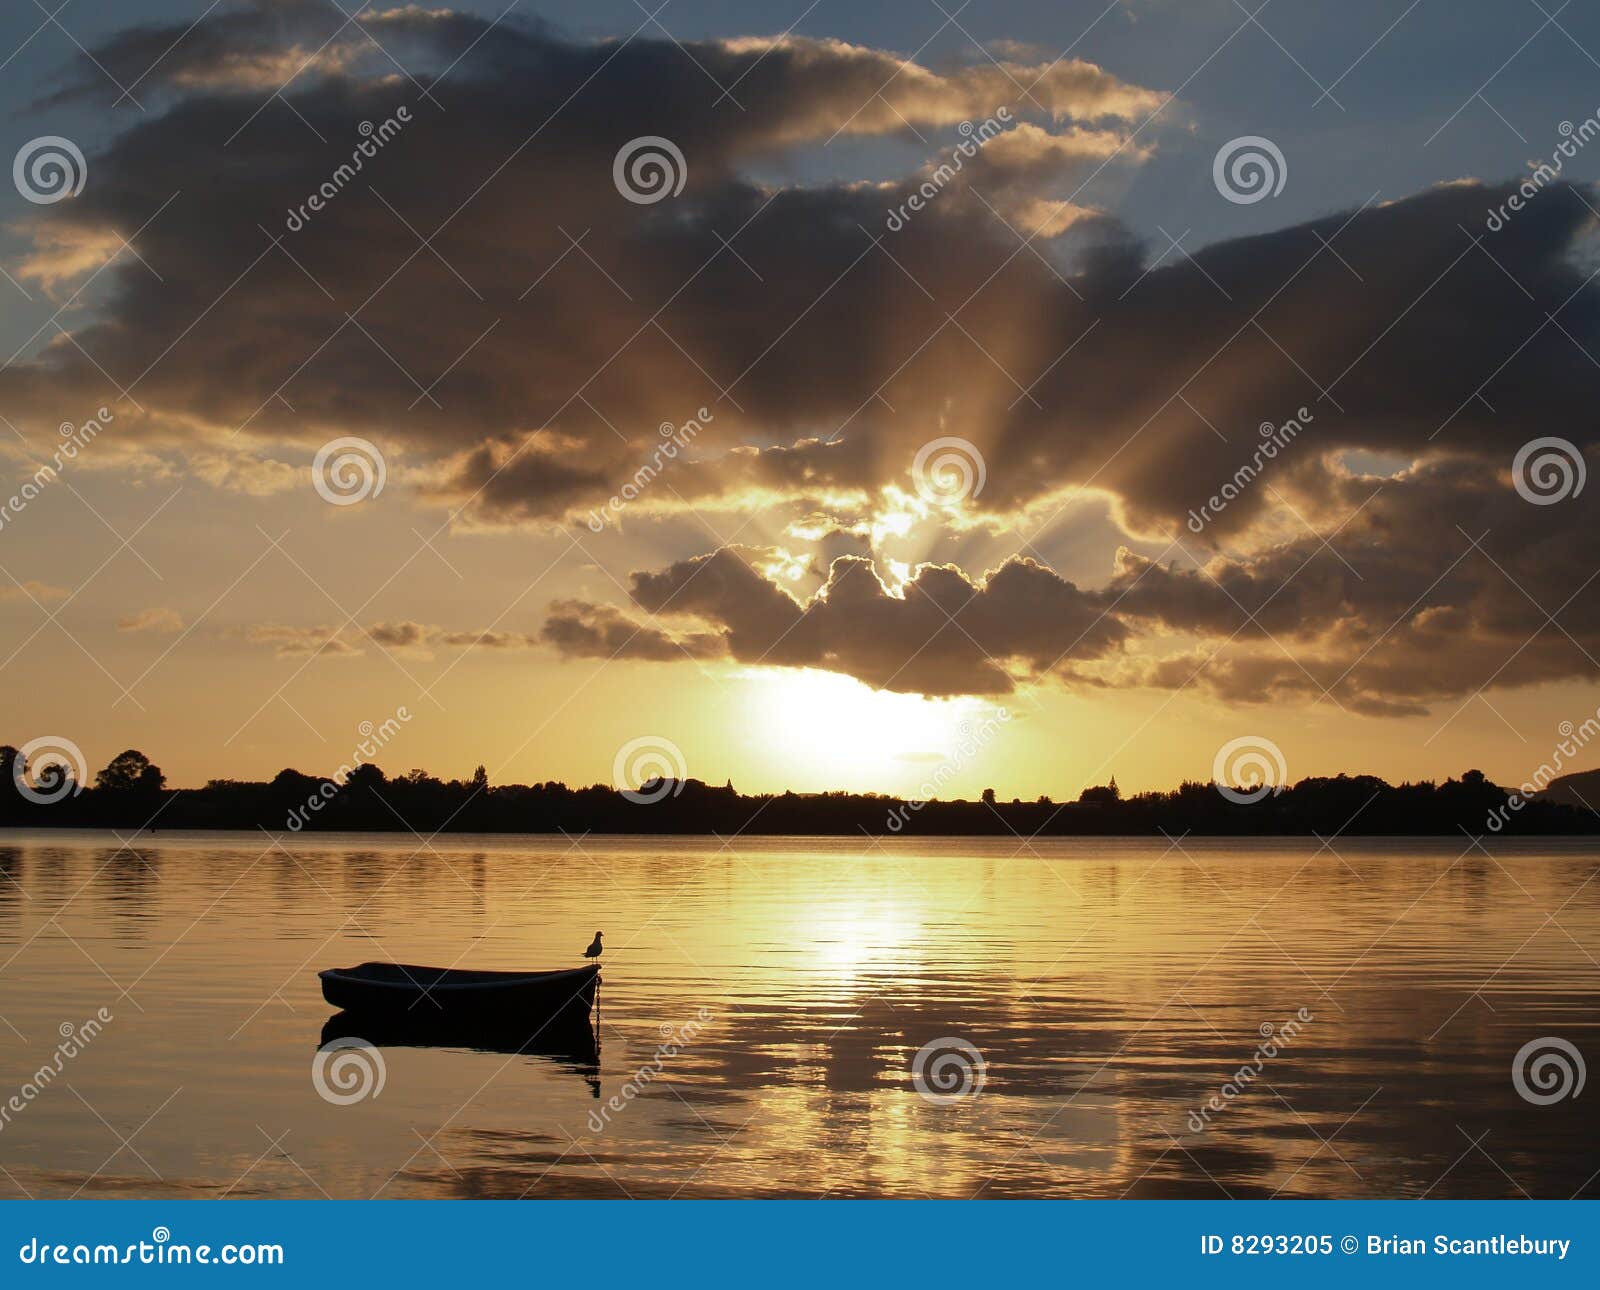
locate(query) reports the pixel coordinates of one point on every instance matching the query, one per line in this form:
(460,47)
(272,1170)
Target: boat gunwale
(507,981)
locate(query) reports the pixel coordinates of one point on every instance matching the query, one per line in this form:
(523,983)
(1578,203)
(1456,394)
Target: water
(1112,987)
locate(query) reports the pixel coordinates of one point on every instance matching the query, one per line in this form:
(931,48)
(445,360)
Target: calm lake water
(1112,987)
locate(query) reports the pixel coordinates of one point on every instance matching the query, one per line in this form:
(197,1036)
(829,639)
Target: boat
(424,994)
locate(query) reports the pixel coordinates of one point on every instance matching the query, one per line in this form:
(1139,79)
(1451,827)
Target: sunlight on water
(763,1008)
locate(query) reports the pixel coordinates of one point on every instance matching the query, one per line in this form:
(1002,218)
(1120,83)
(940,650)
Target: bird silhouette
(595,949)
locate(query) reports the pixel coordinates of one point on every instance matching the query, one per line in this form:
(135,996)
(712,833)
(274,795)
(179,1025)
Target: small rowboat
(419,994)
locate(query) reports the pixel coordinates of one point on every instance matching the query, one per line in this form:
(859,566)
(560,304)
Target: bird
(595,949)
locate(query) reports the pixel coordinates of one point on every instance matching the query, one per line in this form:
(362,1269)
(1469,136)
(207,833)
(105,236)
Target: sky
(829,396)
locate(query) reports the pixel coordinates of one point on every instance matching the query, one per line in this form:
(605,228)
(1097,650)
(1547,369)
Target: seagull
(595,948)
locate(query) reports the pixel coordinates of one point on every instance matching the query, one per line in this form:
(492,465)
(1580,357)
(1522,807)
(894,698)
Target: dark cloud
(941,633)
(480,299)
(580,630)
(1440,582)
(828,370)
(546,301)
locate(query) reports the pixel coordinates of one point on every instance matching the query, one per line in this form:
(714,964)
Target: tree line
(131,793)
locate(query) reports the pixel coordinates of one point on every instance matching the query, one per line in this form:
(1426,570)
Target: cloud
(528,376)
(163,622)
(31,590)
(480,296)
(940,633)
(421,638)
(580,630)
(247,473)
(407,638)
(298,642)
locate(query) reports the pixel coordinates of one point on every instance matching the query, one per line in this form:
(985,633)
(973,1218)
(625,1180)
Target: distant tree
(53,779)
(130,771)
(480,780)
(366,775)
(1101,795)
(988,797)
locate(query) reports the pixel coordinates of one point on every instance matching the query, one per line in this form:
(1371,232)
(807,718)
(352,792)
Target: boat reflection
(572,1044)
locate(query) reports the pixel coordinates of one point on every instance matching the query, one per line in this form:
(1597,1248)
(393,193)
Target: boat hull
(421,995)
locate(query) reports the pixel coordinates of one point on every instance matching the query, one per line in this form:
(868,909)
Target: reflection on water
(763,1008)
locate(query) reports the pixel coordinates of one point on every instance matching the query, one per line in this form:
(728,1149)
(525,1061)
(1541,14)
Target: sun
(847,733)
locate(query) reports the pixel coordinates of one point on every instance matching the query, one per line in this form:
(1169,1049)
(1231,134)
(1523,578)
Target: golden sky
(877,424)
